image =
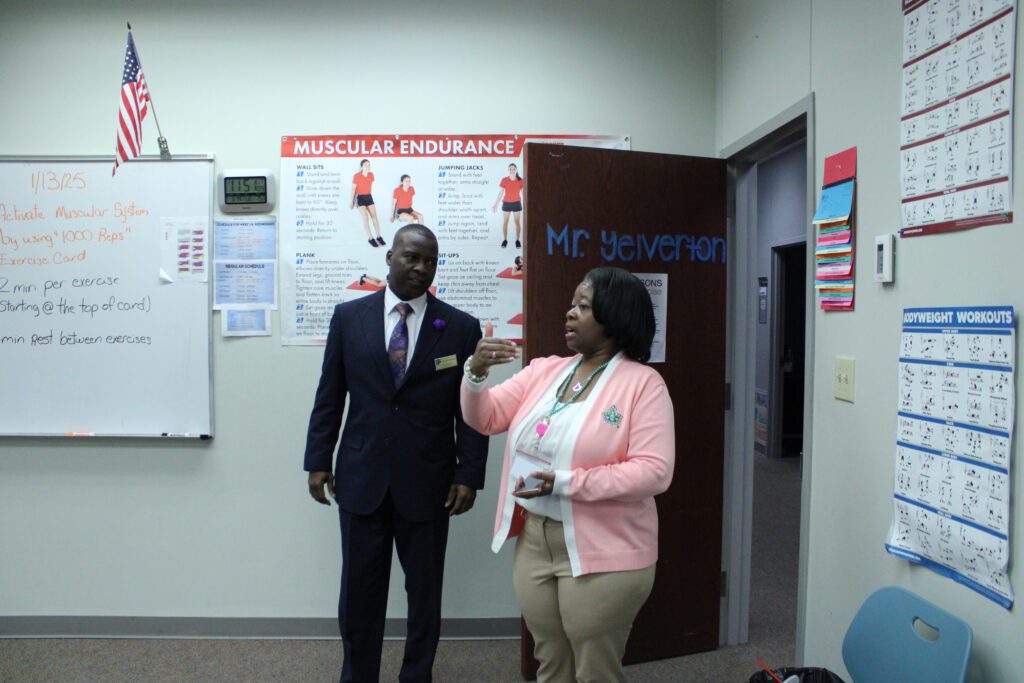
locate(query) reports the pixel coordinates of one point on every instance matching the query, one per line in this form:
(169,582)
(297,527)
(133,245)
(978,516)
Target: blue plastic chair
(883,644)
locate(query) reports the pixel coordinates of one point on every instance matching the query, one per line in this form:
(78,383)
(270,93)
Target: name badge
(526,462)
(445,363)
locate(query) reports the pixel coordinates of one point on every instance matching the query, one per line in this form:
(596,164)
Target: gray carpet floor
(772,631)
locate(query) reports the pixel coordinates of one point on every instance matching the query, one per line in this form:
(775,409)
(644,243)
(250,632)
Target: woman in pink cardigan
(591,441)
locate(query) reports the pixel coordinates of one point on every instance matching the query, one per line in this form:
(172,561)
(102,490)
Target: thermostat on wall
(883,258)
(246,190)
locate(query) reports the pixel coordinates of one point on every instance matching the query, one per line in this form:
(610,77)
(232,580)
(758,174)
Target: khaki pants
(580,624)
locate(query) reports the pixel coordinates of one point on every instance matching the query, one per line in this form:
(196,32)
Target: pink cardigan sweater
(618,466)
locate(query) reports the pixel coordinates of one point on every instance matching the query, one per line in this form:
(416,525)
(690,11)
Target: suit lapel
(372,319)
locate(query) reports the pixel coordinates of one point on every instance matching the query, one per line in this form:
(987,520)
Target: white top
(413,320)
(572,420)
(556,446)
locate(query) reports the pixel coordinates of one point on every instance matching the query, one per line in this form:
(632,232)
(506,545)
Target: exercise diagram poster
(956,147)
(343,197)
(954,429)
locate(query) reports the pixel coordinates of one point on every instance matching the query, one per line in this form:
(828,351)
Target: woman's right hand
(491,351)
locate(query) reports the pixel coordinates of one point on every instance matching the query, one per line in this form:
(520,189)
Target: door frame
(741,322)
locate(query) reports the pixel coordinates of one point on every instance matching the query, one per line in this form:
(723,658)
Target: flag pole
(165,151)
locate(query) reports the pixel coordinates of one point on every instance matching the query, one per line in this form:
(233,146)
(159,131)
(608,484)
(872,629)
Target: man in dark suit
(406,460)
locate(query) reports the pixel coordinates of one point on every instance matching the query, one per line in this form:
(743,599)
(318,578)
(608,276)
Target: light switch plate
(844,378)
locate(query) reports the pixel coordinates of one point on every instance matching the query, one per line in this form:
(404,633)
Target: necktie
(398,345)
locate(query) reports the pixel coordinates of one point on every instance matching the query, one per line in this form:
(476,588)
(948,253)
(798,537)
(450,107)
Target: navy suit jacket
(409,439)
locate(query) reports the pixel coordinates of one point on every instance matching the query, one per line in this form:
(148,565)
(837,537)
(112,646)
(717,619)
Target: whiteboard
(100,334)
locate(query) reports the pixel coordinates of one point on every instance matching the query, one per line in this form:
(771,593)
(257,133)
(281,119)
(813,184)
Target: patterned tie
(398,345)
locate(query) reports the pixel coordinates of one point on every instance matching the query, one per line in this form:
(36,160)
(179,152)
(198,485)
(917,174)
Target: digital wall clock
(246,190)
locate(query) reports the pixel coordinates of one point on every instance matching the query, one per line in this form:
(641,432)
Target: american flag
(134,106)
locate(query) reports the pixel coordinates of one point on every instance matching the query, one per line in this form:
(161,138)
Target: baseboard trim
(231,627)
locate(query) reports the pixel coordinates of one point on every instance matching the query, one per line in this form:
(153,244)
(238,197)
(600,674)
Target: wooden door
(659,214)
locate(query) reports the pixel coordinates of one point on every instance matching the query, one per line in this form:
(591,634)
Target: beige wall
(853,69)
(763,62)
(226,528)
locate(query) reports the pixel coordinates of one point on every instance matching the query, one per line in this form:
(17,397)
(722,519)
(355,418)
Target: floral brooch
(613,417)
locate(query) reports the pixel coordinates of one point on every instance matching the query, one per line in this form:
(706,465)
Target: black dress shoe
(519,245)
(504,243)
(381,242)
(373,243)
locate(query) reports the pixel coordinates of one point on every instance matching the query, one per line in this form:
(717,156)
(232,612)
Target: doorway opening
(781,243)
(789,265)
(771,184)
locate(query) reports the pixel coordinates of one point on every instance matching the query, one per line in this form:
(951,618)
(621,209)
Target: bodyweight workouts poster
(343,197)
(951,494)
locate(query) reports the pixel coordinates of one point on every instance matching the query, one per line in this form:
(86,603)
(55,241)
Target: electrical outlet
(844,378)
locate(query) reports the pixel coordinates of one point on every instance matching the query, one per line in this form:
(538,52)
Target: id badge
(529,460)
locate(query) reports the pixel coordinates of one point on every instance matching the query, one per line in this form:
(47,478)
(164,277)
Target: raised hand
(492,351)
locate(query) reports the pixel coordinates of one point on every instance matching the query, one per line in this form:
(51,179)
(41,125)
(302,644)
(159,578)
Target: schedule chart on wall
(954,429)
(956,147)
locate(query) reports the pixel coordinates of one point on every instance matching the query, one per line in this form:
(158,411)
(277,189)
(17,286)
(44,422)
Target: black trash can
(805,674)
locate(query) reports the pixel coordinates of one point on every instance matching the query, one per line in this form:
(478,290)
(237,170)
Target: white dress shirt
(413,320)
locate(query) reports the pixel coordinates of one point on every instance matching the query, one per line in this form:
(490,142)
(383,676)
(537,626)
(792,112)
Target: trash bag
(804,675)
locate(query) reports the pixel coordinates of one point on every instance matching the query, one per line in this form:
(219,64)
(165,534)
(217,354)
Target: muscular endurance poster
(343,197)
(951,495)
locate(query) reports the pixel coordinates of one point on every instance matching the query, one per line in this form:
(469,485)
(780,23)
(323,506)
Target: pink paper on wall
(832,238)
